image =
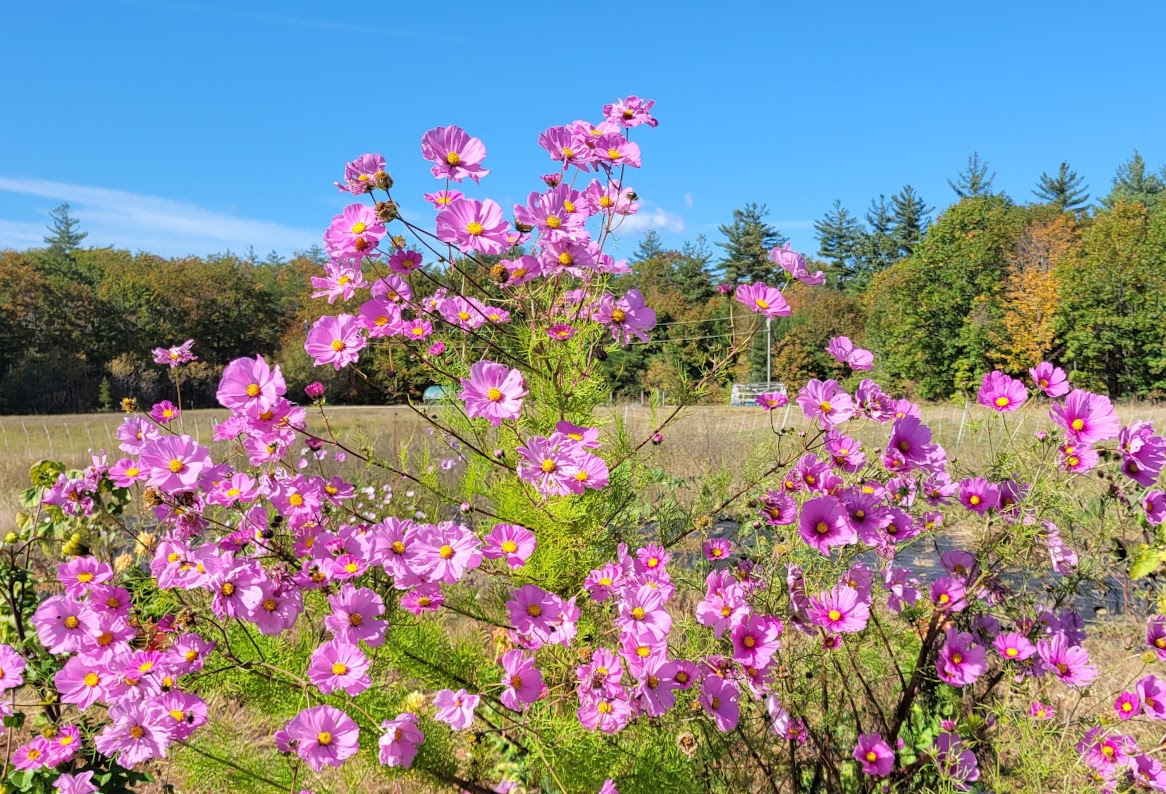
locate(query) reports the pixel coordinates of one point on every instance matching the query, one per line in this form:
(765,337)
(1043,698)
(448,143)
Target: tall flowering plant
(850,609)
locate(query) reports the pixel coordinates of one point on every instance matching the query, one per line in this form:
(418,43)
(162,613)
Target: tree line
(988,282)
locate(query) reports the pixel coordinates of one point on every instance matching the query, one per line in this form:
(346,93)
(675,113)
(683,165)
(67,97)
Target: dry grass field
(703,438)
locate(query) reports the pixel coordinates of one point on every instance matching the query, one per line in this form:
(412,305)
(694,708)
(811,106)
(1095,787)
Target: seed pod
(386,210)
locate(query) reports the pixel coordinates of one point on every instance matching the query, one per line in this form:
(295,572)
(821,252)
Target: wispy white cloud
(688,200)
(17,234)
(659,219)
(136,221)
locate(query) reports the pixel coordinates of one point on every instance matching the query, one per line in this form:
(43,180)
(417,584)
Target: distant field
(705,437)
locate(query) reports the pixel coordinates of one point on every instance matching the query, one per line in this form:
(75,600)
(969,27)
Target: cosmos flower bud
(315,390)
(657,438)
(386,210)
(465,507)
(724,289)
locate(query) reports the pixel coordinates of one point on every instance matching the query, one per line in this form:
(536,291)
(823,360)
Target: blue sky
(200,125)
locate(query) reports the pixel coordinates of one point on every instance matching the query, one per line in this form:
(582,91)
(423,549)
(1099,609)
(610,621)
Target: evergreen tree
(65,237)
(910,219)
(1064,191)
(973,180)
(839,237)
(691,271)
(1132,184)
(878,249)
(649,247)
(749,239)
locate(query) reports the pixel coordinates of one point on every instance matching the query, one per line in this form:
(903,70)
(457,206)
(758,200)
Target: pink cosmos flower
(1127,705)
(843,350)
(550,467)
(400,740)
(339,665)
(795,264)
(175,463)
(956,763)
(1069,663)
(455,154)
(531,609)
(1001,393)
(613,150)
(340,281)
(11,668)
(521,680)
(83,681)
(442,198)
(826,402)
(643,612)
(1014,646)
(606,713)
(1040,711)
(79,783)
(1049,379)
(456,709)
(630,112)
(173,356)
(948,594)
(771,400)
(62,623)
(473,225)
(136,733)
(565,146)
(627,317)
(839,610)
(363,174)
(493,392)
(511,542)
(323,736)
(79,575)
(715,549)
(250,387)
(822,524)
(1086,417)
(1154,505)
(874,755)
(355,616)
(979,495)
(354,233)
(961,659)
(445,551)
(556,214)
(1152,696)
(763,299)
(755,640)
(720,699)
(335,340)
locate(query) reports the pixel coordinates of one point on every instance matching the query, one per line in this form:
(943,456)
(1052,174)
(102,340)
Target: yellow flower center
(453,158)
(534,610)
(566,260)
(834,614)
(323,738)
(871,756)
(726,611)
(821,527)
(91,680)
(1078,424)
(549,466)
(474,228)
(352,567)
(604,707)
(358,227)
(176,465)
(956,658)
(137,732)
(270,604)
(974,499)
(493,394)
(606,201)
(228,589)
(85,577)
(340,668)
(825,406)
(295,500)
(509,546)
(749,641)
(613,154)
(338,345)
(355,619)
(133,471)
(71,622)
(638,613)
(398,547)
(618,315)
(178,715)
(1002,402)
(445,552)
(253,390)
(553,222)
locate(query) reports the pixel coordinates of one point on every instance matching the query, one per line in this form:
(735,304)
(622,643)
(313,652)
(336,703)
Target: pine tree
(649,247)
(973,181)
(910,219)
(749,239)
(1064,191)
(65,237)
(878,249)
(691,271)
(1132,184)
(839,237)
